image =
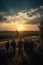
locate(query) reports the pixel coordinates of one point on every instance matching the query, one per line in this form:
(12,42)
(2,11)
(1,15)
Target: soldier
(26,42)
(31,45)
(13,44)
(7,45)
(11,52)
(20,43)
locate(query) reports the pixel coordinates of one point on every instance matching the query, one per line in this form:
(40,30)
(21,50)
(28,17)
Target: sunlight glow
(20,27)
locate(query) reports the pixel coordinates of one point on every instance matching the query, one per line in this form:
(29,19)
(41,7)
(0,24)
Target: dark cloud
(11,7)
(3,19)
(36,21)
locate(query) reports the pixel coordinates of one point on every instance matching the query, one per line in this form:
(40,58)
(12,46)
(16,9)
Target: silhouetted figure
(11,52)
(26,42)
(7,45)
(31,45)
(20,42)
(13,44)
(3,57)
(38,44)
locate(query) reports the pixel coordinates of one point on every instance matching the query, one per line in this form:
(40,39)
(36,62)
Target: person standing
(20,43)
(26,43)
(31,45)
(7,45)
(13,44)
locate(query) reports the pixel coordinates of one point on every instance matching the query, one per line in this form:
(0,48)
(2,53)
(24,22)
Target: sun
(20,27)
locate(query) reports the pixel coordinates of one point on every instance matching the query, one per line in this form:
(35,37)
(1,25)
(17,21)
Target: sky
(20,15)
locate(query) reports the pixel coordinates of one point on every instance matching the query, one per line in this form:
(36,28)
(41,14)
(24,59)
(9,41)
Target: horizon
(19,31)
(18,27)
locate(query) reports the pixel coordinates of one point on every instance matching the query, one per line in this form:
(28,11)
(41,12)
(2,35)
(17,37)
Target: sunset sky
(21,15)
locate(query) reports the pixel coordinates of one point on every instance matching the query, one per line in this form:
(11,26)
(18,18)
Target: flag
(18,34)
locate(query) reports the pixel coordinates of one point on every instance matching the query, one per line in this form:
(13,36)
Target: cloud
(2,19)
(30,16)
(24,16)
(32,10)
(41,6)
